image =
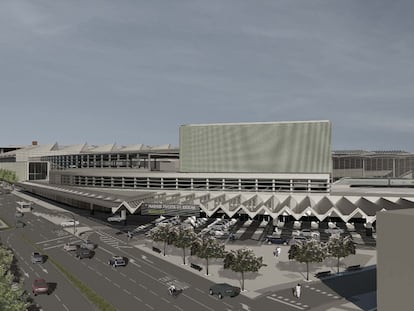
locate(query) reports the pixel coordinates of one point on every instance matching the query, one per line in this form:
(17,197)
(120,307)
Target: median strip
(89,293)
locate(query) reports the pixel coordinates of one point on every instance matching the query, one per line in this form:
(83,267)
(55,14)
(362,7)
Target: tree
(243,260)
(12,295)
(307,251)
(340,247)
(184,238)
(208,247)
(162,233)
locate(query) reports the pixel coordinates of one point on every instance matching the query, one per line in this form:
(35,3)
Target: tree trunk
(207,266)
(307,271)
(242,281)
(338,264)
(165,245)
(184,255)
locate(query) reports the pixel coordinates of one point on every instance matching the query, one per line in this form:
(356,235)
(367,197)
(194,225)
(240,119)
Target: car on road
(69,223)
(117,261)
(84,253)
(37,257)
(71,247)
(224,289)
(18,214)
(88,245)
(40,286)
(276,240)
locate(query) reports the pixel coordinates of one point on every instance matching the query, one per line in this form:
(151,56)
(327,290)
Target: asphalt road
(144,281)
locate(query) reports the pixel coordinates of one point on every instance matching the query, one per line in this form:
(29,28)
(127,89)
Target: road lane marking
(51,240)
(149,306)
(37,274)
(54,246)
(132,280)
(123,274)
(154,293)
(178,308)
(105,250)
(31,268)
(98,273)
(196,301)
(167,301)
(286,303)
(57,297)
(201,291)
(126,291)
(91,268)
(109,280)
(137,299)
(143,286)
(117,285)
(148,275)
(65,307)
(228,305)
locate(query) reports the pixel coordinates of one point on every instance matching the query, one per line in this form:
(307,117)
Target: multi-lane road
(142,283)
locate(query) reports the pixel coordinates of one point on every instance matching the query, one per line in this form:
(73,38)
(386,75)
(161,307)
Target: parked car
(69,223)
(276,240)
(37,257)
(40,286)
(224,289)
(71,247)
(117,218)
(84,253)
(334,230)
(309,233)
(117,261)
(18,214)
(88,245)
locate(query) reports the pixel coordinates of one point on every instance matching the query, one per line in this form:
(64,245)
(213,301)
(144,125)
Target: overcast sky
(130,72)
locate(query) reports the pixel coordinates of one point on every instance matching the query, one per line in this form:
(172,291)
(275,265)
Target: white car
(69,223)
(117,218)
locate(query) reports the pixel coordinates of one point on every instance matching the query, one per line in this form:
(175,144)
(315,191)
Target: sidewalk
(280,272)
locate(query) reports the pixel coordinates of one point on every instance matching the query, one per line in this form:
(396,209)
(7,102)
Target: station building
(267,170)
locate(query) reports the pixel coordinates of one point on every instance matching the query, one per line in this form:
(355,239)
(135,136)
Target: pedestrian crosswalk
(169,280)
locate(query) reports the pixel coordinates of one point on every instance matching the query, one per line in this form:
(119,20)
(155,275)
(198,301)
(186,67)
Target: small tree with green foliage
(243,260)
(208,247)
(184,238)
(163,233)
(340,247)
(307,251)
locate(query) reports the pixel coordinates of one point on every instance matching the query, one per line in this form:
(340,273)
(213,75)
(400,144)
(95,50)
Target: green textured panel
(284,147)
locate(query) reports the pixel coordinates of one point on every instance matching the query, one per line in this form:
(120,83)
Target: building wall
(273,147)
(395,263)
(19,167)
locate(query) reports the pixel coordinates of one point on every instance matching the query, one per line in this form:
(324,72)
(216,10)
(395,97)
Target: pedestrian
(278,251)
(297,290)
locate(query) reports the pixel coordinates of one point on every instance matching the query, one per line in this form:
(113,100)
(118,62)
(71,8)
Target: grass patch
(89,293)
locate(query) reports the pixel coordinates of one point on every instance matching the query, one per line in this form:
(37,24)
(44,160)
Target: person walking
(278,251)
(298,290)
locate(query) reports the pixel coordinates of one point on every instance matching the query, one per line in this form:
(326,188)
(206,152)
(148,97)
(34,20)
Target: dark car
(224,289)
(84,253)
(276,240)
(39,286)
(37,257)
(20,224)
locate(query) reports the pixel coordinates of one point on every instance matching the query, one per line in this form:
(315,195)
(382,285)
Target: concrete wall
(395,265)
(19,167)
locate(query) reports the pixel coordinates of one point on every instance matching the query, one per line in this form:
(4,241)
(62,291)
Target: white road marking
(137,298)
(37,274)
(230,306)
(91,268)
(201,304)
(154,293)
(146,259)
(44,270)
(132,280)
(143,286)
(109,280)
(117,285)
(167,301)
(57,297)
(123,274)
(51,240)
(25,273)
(178,308)
(105,250)
(98,273)
(201,291)
(65,307)
(54,246)
(149,306)
(286,303)
(128,292)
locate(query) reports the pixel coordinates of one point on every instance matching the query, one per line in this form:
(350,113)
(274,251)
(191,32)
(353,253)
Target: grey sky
(133,71)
